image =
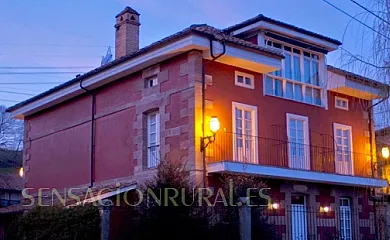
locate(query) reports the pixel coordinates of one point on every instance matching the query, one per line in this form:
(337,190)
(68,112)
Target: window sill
(290,99)
(244,85)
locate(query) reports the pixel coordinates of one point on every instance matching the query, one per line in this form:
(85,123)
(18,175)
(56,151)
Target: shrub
(57,223)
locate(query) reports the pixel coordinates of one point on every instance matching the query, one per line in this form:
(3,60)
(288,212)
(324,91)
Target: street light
(214,127)
(385,152)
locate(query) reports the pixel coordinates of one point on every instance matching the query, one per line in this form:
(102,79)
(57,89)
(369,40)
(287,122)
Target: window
(153,139)
(299,79)
(345,219)
(244,80)
(151,81)
(341,103)
(343,153)
(9,198)
(298,141)
(245,129)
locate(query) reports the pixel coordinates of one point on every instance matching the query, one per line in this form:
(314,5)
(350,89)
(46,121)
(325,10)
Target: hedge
(59,223)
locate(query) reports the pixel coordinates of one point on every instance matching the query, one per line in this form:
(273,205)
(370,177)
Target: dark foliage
(57,223)
(166,218)
(10,159)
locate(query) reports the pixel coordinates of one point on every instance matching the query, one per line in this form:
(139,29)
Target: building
(284,115)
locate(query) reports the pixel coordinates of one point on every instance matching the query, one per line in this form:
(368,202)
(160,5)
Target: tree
(11,131)
(177,218)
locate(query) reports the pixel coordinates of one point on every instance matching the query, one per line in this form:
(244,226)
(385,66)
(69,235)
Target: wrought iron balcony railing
(279,153)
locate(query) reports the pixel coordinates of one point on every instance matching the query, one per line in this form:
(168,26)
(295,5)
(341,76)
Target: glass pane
(152,138)
(317,96)
(298,92)
(238,113)
(289,90)
(306,54)
(306,70)
(248,115)
(346,134)
(269,85)
(277,45)
(239,124)
(278,88)
(277,73)
(309,95)
(300,134)
(287,48)
(239,142)
(292,133)
(338,132)
(152,118)
(297,68)
(299,125)
(315,76)
(240,79)
(287,66)
(248,81)
(297,51)
(153,128)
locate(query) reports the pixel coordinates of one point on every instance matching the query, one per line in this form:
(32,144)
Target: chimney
(127,32)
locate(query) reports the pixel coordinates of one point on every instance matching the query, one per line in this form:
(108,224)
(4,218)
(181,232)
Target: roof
(11,181)
(201,29)
(127,10)
(358,78)
(261,17)
(383,131)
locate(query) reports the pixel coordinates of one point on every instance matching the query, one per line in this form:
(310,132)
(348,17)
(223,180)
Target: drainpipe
(214,58)
(92,154)
(372,192)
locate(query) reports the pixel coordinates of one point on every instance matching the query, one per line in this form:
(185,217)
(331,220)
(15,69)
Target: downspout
(92,141)
(372,192)
(214,58)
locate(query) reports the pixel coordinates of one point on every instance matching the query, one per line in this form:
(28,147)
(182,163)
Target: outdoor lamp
(214,127)
(326,209)
(385,152)
(275,206)
(21,172)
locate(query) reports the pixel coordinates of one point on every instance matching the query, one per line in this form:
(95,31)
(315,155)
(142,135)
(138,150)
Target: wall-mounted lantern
(385,152)
(21,172)
(214,127)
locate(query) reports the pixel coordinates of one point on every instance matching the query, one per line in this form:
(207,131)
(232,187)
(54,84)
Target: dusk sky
(65,34)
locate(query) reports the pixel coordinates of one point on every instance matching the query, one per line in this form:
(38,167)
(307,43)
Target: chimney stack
(126,32)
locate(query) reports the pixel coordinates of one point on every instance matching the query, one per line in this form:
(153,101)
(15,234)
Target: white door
(345,219)
(343,149)
(298,217)
(298,141)
(245,127)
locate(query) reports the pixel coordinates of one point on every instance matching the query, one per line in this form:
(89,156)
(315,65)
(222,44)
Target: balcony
(238,153)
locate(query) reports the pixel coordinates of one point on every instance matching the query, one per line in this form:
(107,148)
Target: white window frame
(343,209)
(284,80)
(343,127)
(253,110)
(342,100)
(153,79)
(306,140)
(150,163)
(244,75)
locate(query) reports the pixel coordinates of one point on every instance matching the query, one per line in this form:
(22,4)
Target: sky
(74,35)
